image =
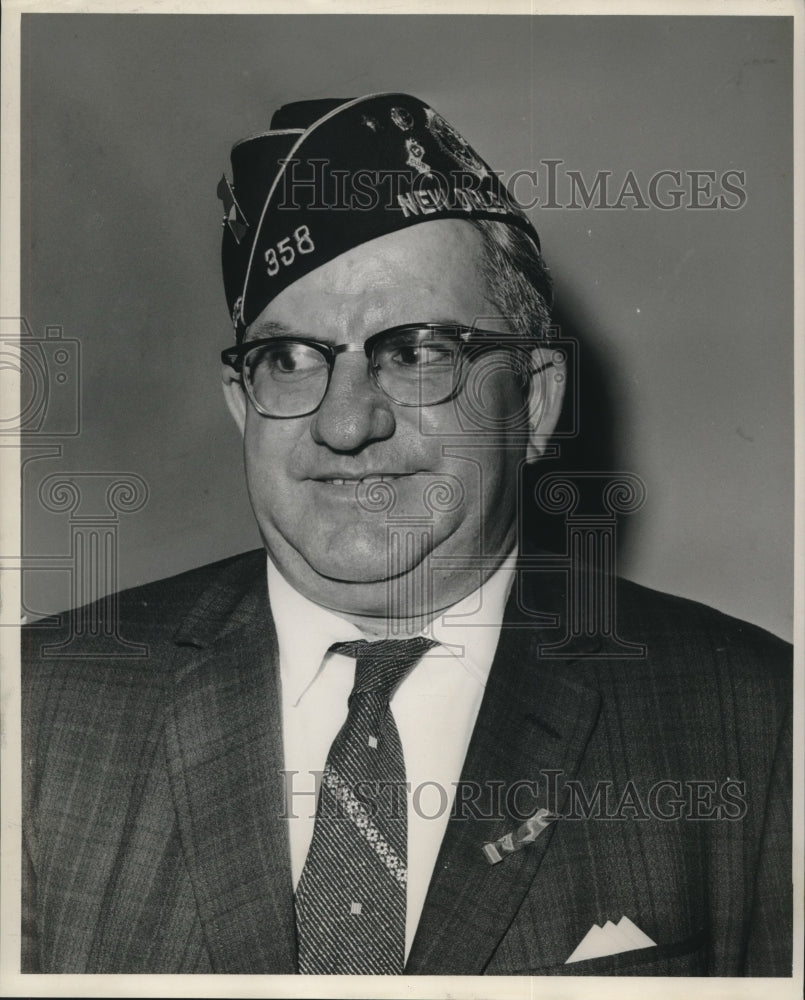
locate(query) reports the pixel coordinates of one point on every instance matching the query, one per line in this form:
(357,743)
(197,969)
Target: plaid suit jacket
(153,795)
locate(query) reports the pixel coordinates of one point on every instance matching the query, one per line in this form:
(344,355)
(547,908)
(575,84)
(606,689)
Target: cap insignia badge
(237,313)
(233,216)
(453,144)
(402,118)
(415,153)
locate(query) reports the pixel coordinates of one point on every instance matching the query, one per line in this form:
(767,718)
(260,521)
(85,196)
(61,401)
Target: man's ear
(545,395)
(235,396)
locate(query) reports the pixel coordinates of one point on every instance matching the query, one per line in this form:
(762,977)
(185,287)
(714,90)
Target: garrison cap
(331,174)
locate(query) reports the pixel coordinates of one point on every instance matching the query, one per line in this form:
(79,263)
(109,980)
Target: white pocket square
(611,939)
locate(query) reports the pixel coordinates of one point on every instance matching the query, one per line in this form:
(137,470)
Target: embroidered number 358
(284,253)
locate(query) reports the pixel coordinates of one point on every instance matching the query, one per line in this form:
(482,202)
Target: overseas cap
(332,174)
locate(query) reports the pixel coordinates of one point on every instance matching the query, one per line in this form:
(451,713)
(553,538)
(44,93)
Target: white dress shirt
(434,707)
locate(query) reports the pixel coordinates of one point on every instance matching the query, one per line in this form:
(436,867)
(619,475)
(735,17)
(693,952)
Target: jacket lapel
(225,758)
(532,719)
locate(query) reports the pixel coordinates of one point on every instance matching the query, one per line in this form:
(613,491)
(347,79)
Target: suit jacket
(153,799)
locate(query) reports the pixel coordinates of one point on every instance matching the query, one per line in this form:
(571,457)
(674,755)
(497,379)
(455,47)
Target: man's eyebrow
(271,328)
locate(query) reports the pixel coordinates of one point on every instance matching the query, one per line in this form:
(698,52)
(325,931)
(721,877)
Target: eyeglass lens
(413,367)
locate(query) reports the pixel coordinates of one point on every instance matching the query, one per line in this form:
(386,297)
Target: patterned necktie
(351,896)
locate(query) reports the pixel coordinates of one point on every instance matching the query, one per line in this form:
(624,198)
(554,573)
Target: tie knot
(382,665)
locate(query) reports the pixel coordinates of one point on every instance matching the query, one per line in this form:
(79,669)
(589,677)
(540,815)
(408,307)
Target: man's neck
(401,626)
(390,628)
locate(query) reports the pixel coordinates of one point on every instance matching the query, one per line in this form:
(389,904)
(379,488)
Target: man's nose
(354,411)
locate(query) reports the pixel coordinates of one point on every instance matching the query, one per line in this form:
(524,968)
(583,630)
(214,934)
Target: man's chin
(366,553)
(356,568)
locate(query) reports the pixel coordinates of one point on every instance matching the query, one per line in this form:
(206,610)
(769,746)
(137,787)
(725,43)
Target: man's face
(312,479)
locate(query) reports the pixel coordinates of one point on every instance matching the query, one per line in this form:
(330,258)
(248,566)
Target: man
(380,745)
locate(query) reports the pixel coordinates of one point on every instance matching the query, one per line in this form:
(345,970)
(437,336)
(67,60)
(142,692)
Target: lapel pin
(526,833)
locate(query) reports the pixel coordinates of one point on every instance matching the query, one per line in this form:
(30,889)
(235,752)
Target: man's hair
(518,280)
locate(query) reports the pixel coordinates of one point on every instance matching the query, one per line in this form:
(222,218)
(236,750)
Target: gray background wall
(127,124)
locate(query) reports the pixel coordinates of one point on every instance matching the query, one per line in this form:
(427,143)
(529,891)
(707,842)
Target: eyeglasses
(414,365)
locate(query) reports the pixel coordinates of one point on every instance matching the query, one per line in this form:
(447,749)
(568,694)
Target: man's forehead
(427,274)
(425,258)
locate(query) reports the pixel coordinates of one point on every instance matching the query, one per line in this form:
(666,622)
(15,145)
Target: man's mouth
(374,477)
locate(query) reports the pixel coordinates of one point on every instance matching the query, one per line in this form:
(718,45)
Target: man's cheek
(271,490)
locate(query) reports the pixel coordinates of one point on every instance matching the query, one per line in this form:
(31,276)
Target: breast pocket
(680,958)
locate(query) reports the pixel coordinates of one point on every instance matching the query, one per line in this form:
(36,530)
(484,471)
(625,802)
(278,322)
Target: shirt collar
(468,630)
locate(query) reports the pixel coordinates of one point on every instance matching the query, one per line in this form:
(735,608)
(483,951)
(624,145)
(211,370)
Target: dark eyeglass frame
(471,341)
